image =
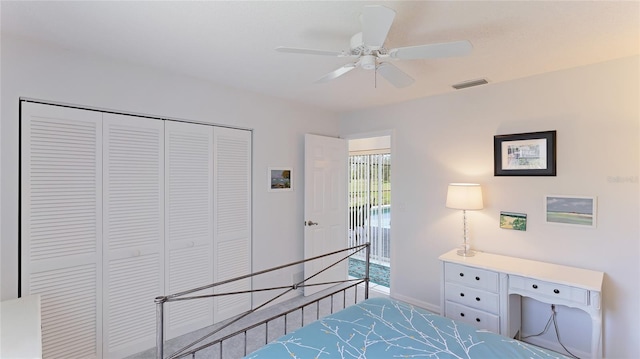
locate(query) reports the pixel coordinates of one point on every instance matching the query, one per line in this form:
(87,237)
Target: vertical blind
(369,202)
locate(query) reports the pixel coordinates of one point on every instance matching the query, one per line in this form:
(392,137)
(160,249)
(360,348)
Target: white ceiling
(232,42)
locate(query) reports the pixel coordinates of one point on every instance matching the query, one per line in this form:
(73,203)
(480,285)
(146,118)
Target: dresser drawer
(472,297)
(552,291)
(472,277)
(475,317)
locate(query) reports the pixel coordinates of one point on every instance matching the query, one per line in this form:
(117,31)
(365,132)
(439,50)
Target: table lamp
(465,196)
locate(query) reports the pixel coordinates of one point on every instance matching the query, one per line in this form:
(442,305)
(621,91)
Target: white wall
(42,72)
(449,138)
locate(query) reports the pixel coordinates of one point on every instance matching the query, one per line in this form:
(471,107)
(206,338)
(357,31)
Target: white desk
(484,290)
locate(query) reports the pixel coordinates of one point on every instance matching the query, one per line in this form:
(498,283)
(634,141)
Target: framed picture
(525,154)
(571,210)
(512,220)
(280,179)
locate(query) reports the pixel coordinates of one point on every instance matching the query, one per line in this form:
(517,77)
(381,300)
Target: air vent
(464,85)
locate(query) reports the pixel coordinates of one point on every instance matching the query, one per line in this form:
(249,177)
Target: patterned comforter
(385,328)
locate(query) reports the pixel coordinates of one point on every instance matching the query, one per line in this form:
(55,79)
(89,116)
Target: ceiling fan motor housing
(368,56)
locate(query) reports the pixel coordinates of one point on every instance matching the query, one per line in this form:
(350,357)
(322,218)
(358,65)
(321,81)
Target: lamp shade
(466,196)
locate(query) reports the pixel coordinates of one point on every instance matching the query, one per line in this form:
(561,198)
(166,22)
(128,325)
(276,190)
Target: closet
(118,209)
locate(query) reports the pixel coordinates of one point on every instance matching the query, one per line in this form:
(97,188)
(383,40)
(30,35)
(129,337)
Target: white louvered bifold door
(232,219)
(188,223)
(61,225)
(133,197)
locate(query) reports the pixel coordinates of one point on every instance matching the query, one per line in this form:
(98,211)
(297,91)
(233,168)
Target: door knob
(310,223)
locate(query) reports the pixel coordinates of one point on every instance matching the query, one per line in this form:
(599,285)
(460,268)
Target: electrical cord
(555,325)
(552,318)
(546,328)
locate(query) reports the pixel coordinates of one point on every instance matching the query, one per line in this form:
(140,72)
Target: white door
(61,225)
(232,219)
(188,227)
(133,234)
(325,204)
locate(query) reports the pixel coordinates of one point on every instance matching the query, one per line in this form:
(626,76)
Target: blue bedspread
(385,328)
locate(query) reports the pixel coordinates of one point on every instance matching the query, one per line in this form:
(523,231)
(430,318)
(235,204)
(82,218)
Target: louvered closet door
(232,218)
(188,223)
(133,158)
(61,225)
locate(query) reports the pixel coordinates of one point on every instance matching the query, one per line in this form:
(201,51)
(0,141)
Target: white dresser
(485,290)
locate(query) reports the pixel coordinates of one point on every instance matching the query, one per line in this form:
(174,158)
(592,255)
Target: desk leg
(596,336)
(510,310)
(595,310)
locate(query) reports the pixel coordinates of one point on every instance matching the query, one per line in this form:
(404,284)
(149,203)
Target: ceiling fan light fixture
(368,62)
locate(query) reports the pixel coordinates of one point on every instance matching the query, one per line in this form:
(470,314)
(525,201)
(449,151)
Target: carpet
(259,336)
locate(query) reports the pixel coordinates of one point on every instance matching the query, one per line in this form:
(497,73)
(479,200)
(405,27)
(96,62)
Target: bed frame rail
(191,349)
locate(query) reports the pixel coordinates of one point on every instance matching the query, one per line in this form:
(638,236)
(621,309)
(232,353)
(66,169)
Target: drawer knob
(478,320)
(462,314)
(477,278)
(477,299)
(557,291)
(462,274)
(462,294)
(535,286)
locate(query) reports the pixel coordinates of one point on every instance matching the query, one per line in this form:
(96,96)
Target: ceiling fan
(367,48)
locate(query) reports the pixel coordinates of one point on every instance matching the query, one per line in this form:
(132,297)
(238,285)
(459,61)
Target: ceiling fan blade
(394,75)
(336,73)
(445,49)
(376,22)
(294,50)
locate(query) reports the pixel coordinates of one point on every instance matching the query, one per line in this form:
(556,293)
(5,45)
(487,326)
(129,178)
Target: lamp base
(466,253)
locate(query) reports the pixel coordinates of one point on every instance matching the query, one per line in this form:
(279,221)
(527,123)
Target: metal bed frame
(190,350)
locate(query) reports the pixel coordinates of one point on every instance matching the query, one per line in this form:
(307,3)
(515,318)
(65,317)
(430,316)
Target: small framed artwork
(280,179)
(525,154)
(570,210)
(512,220)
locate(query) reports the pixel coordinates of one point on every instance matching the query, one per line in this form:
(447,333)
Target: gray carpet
(259,336)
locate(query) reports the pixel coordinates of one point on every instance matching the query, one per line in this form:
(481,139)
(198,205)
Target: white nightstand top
(576,277)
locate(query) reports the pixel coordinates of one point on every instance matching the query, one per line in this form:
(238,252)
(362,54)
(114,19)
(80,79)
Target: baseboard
(418,303)
(555,346)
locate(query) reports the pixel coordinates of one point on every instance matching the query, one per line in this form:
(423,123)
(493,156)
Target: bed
(386,328)
(365,328)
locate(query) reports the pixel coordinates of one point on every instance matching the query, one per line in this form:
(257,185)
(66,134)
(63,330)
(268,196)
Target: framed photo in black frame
(525,154)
